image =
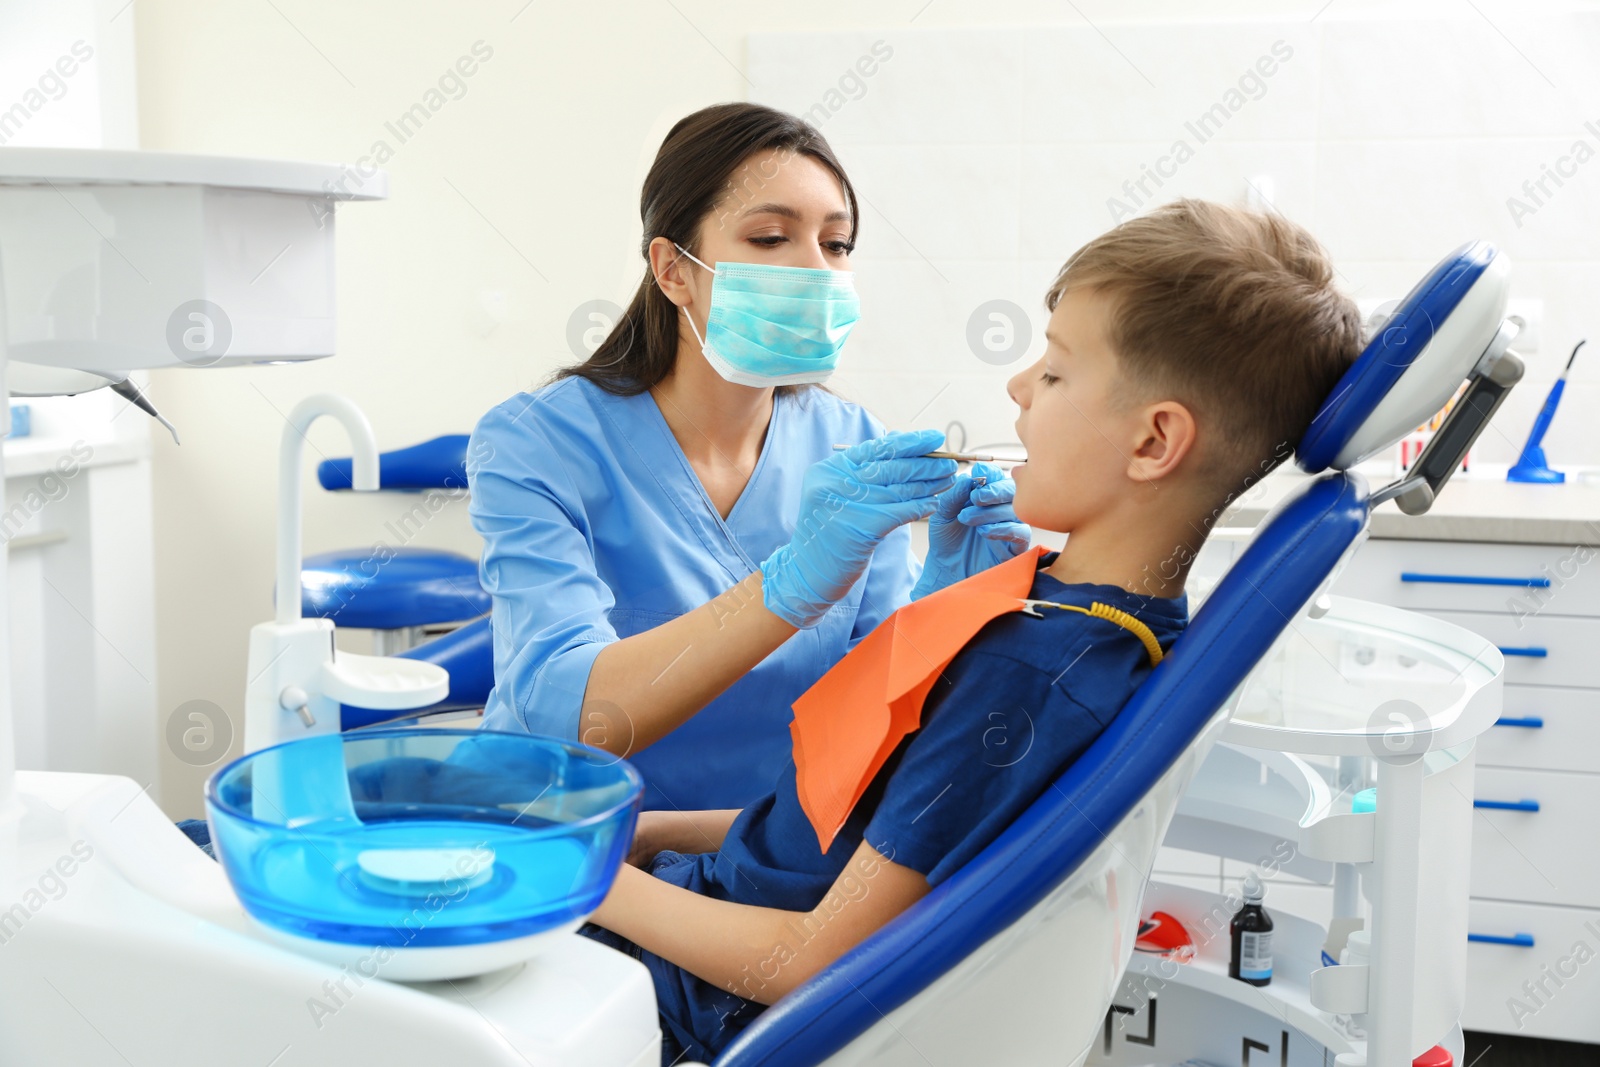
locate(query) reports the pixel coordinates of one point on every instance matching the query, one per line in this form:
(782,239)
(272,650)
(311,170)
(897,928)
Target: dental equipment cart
(1360,682)
(1512,563)
(121,943)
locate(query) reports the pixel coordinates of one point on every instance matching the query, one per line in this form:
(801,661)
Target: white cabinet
(76,523)
(1538,976)
(1543,650)
(1536,843)
(1468,576)
(1547,728)
(1535,882)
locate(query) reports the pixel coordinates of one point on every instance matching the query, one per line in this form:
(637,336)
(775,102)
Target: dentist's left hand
(973,528)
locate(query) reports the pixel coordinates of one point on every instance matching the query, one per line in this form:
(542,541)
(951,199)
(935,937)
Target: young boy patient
(1188,350)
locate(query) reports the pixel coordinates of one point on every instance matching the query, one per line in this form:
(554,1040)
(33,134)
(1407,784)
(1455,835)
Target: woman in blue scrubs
(674,548)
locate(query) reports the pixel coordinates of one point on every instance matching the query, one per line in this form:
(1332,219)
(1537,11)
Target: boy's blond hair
(1231,312)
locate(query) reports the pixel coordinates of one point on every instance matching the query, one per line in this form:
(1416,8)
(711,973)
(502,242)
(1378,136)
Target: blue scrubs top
(596,528)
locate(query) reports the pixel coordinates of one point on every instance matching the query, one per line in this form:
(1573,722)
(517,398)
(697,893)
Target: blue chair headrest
(1414,363)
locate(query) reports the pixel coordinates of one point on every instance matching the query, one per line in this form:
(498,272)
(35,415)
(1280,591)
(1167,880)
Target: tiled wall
(985,156)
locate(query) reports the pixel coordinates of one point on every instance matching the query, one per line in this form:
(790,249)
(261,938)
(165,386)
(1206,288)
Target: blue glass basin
(413,838)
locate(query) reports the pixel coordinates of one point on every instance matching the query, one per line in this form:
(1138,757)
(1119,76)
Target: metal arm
(1491,379)
(364,449)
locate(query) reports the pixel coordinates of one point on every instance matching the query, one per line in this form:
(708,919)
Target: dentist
(675,551)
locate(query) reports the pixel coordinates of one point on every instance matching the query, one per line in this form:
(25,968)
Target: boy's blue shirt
(1015,707)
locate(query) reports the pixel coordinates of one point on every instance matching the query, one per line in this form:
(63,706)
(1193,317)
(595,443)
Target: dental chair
(1015,958)
(397,593)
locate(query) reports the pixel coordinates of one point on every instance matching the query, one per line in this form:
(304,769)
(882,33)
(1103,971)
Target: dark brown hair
(693,174)
(1231,312)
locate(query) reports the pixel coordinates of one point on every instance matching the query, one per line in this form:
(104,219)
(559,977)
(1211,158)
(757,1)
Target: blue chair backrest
(437,464)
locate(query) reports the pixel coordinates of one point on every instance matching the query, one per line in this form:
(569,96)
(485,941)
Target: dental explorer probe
(959,457)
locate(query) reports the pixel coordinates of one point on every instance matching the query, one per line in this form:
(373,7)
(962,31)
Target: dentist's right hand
(849,503)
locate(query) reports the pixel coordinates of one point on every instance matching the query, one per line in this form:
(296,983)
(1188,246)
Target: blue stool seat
(414,587)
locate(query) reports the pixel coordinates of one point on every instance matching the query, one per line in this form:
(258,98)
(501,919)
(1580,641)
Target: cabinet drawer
(1496,1000)
(1545,856)
(1545,728)
(1470,576)
(1545,650)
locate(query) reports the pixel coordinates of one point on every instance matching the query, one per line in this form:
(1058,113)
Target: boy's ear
(671,269)
(1166,435)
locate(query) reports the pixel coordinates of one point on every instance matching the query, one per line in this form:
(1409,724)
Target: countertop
(27,457)
(1481,506)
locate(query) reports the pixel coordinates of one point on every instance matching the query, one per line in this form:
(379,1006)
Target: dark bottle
(1251,930)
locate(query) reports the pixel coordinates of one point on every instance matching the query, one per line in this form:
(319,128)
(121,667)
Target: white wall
(984,156)
(67,75)
(989,154)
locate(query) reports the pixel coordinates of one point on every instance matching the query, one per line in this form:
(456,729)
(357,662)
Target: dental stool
(400,591)
(1015,959)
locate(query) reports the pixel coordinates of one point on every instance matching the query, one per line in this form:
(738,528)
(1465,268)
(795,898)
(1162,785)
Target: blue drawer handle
(1531,722)
(1507,805)
(1519,940)
(1536,651)
(1473,579)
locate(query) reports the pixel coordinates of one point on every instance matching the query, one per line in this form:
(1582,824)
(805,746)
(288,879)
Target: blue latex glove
(973,528)
(850,502)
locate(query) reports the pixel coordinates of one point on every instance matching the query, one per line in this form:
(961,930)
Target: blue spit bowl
(422,839)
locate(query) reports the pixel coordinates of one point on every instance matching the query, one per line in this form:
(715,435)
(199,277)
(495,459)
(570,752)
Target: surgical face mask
(776,325)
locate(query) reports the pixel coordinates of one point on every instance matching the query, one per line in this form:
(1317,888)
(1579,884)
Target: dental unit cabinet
(121,942)
(1262,800)
(1513,564)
